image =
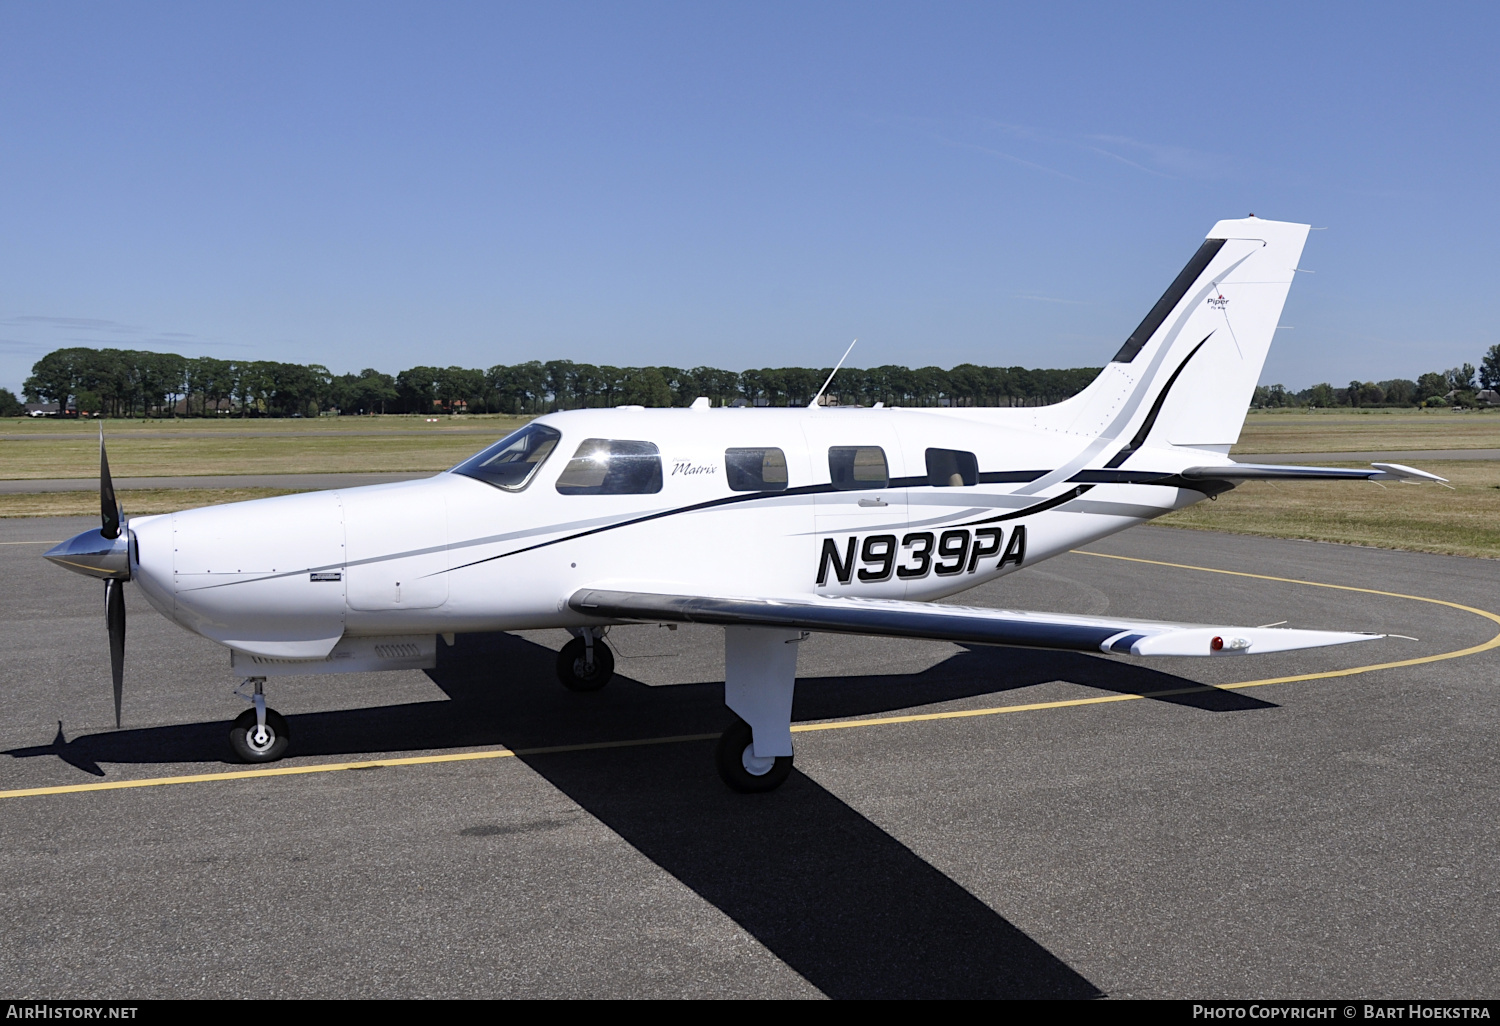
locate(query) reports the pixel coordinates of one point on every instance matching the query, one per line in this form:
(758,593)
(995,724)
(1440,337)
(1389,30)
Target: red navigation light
(1216,645)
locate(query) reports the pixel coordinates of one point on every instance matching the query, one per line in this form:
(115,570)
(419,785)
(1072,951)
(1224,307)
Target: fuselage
(897,503)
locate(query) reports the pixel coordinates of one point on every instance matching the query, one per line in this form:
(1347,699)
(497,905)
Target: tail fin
(1185,376)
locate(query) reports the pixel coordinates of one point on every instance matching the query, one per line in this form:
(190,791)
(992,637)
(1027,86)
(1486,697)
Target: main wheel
(250,746)
(740,768)
(576,675)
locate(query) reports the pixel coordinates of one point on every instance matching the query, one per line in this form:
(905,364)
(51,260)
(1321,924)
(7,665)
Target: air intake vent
(388,652)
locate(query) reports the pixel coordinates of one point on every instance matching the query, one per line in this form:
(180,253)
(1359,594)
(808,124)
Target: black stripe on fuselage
(1145,477)
(1010,476)
(1038,507)
(985,477)
(695,507)
(1089,477)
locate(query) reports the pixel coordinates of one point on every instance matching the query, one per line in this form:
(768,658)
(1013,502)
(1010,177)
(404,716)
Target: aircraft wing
(1270,472)
(962,624)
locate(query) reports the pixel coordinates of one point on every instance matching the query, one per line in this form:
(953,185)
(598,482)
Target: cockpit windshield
(512,462)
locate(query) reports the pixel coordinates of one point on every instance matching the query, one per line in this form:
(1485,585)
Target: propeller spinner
(104,553)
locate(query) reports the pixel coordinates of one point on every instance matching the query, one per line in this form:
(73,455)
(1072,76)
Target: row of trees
(1458,386)
(130,382)
(127,383)
(537,387)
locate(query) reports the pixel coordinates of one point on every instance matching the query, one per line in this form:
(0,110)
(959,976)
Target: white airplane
(771,523)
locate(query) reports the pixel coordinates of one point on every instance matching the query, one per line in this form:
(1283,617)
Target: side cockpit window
(612,466)
(951,468)
(852,467)
(511,462)
(755,470)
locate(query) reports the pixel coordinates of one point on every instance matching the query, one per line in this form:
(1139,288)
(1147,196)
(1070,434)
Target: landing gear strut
(760,674)
(259,734)
(586,663)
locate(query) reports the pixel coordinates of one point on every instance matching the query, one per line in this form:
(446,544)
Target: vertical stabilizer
(1186,375)
(1241,304)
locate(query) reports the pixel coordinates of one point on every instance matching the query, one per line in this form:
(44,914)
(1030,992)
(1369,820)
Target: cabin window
(612,466)
(854,467)
(951,468)
(755,470)
(511,462)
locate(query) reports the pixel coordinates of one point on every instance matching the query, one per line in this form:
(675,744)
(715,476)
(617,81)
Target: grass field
(32,450)
(1356,431)
(137,503)
(39,449)
(386,424)
(1464,521)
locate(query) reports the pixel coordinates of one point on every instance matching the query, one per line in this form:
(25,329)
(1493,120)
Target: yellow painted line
(960,714)
(803,728)
(1485,646)
(277,771)
(331,767)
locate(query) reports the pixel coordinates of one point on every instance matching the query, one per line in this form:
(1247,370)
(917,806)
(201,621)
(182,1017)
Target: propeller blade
(109,509)
(114,619)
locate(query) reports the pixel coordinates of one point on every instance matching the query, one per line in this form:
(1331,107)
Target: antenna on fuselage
(831,374)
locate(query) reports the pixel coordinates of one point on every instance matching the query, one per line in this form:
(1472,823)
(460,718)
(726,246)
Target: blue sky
(739,185)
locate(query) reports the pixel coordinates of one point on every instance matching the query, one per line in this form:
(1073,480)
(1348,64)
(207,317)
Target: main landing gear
(760,673)
(259,734)
(585,663)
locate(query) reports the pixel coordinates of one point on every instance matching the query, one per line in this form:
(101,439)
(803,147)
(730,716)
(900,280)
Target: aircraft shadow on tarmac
(502,691)
(846,905)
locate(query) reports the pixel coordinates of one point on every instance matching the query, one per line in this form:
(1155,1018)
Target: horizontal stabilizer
(1398,472)
(1268,472)
(961,624)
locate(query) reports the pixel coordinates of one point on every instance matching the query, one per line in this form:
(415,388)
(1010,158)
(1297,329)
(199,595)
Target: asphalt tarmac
(1099,826)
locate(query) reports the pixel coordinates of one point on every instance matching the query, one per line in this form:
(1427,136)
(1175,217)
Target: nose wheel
(253,742)
(585,663)
(259,734)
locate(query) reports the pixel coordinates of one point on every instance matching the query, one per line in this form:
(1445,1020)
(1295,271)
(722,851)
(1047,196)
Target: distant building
(1489,397)
(41,409)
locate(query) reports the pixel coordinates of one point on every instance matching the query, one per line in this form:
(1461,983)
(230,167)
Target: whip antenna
(831,374)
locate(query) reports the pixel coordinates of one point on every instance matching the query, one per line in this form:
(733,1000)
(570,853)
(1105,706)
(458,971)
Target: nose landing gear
(259,734)
(585,663)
